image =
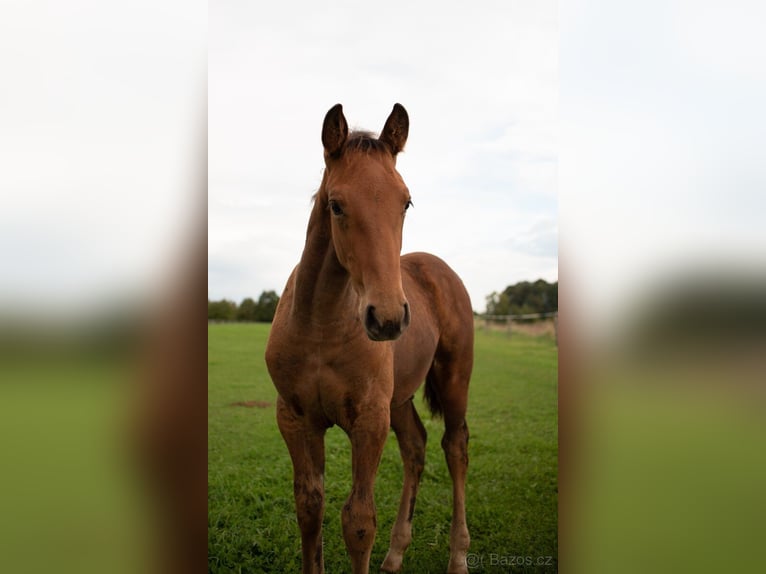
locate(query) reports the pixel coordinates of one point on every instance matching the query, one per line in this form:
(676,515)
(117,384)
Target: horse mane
(366,142)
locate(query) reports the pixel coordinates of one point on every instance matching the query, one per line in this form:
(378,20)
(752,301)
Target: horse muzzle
(386,326)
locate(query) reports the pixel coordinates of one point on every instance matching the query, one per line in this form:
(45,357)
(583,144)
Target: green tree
(223,310)
(247,310)
(498,304)
(525,297)
(267,306)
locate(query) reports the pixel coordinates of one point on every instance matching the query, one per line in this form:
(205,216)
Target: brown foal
(356,332)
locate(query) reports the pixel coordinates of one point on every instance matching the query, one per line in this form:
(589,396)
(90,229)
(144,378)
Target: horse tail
(433,400)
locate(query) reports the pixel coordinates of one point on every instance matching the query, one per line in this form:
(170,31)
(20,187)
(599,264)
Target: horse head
(367,199)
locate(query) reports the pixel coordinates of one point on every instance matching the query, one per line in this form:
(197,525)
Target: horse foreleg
(368,436)
(306,446)
(411,436)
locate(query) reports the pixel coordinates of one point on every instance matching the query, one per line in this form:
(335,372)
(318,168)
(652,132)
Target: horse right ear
(334,131)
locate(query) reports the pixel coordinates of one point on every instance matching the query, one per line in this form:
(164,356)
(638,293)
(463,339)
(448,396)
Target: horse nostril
(406,320)
(369,318)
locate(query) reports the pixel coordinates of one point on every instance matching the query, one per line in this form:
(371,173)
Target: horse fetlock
(401,536)
(457,564)
(459,543)
(393,561)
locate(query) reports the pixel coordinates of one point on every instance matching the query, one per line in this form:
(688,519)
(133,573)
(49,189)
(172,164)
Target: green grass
(512,479)
(71,499)
(671,474)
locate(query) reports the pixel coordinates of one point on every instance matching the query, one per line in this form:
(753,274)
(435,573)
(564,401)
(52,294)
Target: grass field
(512,479)
(71,498)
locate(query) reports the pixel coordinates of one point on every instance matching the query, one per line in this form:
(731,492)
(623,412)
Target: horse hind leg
(455,445)
(448,395)
(411,436)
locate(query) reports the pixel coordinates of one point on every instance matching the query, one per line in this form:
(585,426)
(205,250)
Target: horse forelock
(362,141)
(366,142)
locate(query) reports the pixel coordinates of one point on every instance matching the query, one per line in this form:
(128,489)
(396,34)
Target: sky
(630,136)
(102,126)
(480,86)
(661,163)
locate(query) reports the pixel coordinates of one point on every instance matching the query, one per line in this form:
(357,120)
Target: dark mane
(365,141)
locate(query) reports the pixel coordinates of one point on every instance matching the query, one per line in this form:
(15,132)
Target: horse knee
(359,523)
(309,504)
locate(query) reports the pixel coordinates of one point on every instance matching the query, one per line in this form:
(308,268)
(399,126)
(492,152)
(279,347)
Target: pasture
(511,492)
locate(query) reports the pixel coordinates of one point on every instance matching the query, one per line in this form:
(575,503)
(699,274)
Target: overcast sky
(102,125)
(661,169)
(635,130)
(480,85)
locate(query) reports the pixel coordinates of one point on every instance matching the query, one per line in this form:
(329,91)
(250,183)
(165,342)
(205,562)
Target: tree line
(248,310)
(524,298)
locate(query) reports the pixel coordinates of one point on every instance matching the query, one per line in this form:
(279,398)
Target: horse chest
(324,379)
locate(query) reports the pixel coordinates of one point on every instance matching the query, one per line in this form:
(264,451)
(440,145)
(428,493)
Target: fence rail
(524,316)
(508,321)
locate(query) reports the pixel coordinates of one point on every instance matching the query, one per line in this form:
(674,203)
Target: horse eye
(408,205)
(335,208)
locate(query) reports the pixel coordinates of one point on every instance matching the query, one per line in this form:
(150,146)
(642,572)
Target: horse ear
(396,129)
(334,130)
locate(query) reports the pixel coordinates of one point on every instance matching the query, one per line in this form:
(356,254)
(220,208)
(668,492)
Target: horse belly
(413,357)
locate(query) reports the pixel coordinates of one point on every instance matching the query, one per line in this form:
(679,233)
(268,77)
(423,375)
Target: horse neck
(321,282)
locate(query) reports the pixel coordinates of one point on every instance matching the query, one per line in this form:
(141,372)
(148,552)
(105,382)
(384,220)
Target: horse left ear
(396,129)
